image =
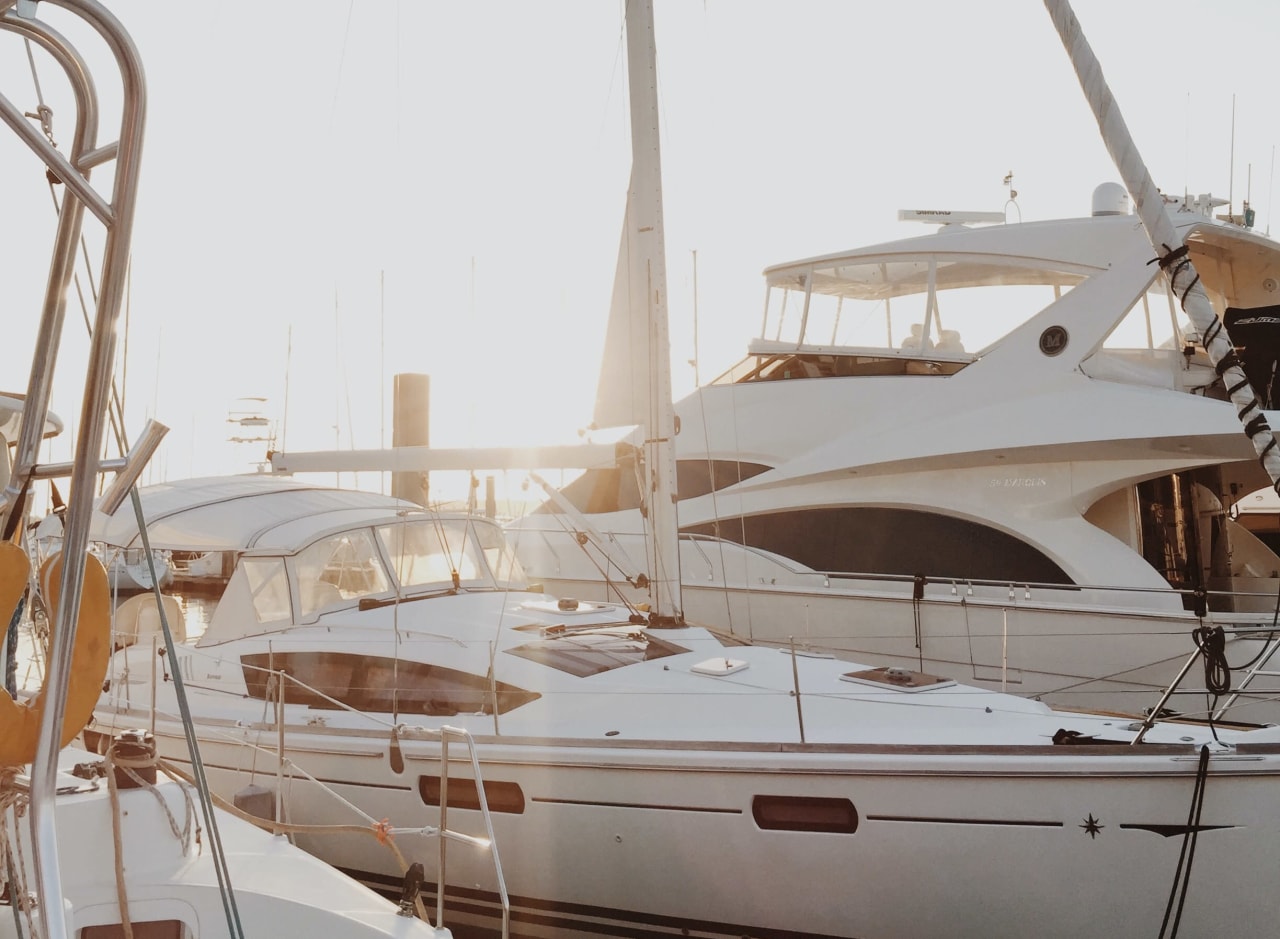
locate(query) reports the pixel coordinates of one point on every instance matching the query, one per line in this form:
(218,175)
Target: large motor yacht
(998,451)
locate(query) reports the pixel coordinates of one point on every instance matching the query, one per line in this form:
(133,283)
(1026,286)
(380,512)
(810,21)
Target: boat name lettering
(1019,482)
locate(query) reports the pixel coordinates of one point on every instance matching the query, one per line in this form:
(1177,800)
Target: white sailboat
(658,778)
(96,848)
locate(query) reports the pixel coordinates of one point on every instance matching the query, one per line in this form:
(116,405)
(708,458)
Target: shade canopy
(228,513)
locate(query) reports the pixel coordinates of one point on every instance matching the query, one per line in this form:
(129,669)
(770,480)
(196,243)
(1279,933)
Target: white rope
(13,864)
(1164,237)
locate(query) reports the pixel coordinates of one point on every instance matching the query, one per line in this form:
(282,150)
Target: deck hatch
(899,679)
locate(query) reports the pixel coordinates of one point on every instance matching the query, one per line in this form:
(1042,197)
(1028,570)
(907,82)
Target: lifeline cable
(226,891)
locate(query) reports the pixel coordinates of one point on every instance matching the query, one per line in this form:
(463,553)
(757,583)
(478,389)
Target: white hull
(169,875)
(132,577)
(649,780)
(660,839)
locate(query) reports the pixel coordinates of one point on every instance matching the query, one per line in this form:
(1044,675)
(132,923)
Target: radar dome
(1110,199)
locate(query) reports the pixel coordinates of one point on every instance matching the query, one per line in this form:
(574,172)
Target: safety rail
(1187,596)
(442,832)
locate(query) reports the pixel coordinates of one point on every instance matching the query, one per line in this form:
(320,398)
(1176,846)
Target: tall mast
(635,383)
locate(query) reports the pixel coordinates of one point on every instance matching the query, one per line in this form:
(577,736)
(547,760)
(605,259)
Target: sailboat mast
(645,231)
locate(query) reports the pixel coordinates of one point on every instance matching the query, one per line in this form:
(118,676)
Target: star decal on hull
(1092,827)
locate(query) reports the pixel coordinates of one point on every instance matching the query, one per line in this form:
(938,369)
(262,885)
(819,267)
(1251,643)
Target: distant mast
(635,380)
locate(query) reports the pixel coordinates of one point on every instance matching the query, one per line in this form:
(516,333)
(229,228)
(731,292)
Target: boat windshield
(412,554)
(945,303)
(428,552)
(928,314)
(343,567)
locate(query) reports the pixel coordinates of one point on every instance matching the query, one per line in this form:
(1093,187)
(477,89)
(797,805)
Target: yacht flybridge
(997,452)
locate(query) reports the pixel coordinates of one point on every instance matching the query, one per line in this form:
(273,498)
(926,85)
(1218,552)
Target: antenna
(1013,196)
(1271,185)
(1231,171)
(697,383)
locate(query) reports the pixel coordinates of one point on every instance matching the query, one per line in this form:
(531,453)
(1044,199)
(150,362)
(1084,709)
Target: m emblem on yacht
(1053,340)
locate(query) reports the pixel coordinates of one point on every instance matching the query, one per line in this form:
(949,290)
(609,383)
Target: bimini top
(950,297)
(1061,252)
(234,513)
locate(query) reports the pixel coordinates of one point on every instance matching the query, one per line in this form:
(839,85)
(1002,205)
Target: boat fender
(20,721)
(395,757)
(257,801)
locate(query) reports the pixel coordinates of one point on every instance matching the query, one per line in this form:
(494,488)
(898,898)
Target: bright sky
(336,192)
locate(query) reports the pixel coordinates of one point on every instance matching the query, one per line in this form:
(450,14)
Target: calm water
(197,610)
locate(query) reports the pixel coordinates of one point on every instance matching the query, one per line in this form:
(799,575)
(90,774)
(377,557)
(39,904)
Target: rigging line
(399,35)
(288,363)
(741,518)
(699,393)
(1181,876)
(115,412)
(1271,186)
(438,524)
(197,763)
(44,113)
(609,582)
(395,623)
(342,58)
(613,73)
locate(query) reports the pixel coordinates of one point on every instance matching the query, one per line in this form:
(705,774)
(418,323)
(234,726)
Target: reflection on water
(197,611)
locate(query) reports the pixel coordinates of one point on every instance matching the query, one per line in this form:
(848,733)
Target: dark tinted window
(376,683)
(891,541)
(804,813)
(699,477)
(153,929)
(501,796)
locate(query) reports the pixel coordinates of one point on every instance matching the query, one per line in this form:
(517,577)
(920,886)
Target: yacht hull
(719,839)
